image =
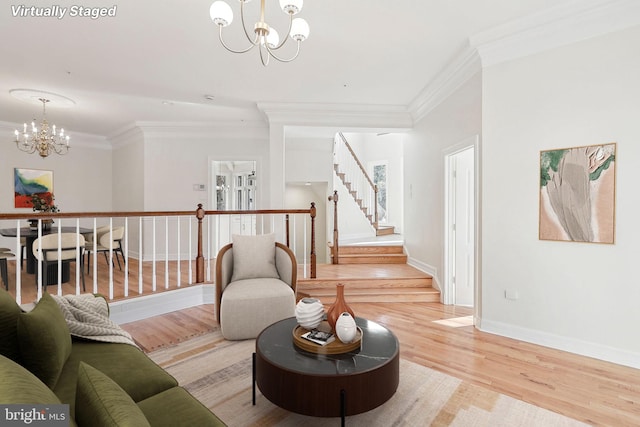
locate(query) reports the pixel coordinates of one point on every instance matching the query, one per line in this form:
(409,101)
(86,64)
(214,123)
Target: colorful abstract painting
(27,182)
(577,194)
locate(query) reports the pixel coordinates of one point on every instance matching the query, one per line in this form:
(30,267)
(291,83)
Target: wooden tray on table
(334,347)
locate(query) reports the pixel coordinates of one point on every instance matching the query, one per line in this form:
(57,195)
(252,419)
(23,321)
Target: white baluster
(153,255)
(140,257)
(178,269)
(126,256)
(166,252)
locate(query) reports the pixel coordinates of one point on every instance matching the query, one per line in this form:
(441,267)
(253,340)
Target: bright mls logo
(75,11)
(54,415)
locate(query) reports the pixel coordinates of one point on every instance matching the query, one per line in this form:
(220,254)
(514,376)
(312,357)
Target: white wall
(299,196)
(128,171)
(575,296)
(310,160)
(177,157)
(456,119)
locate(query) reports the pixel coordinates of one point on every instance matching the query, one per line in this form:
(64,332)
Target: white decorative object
(346,328)
(309,313)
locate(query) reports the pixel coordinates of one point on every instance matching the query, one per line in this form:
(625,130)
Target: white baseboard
(572,345)
(139,308)
(426,268)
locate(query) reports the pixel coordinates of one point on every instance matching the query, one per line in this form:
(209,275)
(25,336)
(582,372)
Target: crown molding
(138,131)
(560,25)
(464,66)
(338,115)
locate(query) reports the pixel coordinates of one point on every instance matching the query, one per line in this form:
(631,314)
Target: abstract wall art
(577,194)
(27,182)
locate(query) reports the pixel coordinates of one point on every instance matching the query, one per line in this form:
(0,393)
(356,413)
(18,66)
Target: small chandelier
(266,38)
(41,140)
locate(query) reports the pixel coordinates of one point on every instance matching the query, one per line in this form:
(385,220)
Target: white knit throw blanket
(88,317)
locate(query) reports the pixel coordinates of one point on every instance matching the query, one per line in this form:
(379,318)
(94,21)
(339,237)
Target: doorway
(234,187)
(460,227)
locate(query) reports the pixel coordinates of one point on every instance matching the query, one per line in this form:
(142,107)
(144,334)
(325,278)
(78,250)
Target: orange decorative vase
(338,307)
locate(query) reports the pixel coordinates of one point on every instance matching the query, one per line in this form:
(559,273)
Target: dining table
(31,234)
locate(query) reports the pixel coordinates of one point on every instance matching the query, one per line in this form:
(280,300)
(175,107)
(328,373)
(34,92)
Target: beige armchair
(45,250)
(255,285)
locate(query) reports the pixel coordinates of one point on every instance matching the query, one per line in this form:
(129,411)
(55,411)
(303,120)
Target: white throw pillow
(254,257)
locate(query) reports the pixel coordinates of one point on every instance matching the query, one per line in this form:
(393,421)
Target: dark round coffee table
(327,385)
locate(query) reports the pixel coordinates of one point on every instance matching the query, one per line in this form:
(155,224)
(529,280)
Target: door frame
(448,291)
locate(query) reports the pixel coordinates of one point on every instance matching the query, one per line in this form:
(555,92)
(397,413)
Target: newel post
(335,247)
(312,212)
(199,257)
(286,220)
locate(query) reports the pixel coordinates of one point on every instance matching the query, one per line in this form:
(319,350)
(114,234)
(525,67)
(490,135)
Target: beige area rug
(218,373)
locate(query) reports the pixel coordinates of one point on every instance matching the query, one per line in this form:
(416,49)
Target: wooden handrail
(369,180)
(200,215)
(353,154)
(44,215)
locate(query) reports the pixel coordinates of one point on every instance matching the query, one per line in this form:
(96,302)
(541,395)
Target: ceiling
(156,61)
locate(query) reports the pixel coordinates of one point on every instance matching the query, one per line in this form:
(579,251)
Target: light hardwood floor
(593,391)
(589,390)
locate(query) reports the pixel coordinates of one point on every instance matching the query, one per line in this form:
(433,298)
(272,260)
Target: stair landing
(369,283)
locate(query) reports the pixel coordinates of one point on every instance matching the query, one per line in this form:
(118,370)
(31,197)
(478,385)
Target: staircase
(359,185)
(373,271)
(370,274)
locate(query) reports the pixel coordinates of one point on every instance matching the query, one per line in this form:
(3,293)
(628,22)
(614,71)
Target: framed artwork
(577,194)
(27,182)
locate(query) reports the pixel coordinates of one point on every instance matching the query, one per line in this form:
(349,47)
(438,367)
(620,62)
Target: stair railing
(355,178)
(182,243)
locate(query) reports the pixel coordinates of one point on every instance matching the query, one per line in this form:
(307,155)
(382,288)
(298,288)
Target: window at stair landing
(379,173)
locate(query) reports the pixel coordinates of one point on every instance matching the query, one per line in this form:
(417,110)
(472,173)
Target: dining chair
(3,267)
(23,245)
(105,239)
(45,250)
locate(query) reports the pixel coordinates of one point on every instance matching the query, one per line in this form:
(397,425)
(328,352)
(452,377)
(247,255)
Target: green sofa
(104,384)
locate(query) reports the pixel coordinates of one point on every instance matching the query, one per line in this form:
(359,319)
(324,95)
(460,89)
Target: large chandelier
(266,38)
(43,140)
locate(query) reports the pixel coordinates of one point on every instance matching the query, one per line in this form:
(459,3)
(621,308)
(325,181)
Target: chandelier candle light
(41,140)
(266,38)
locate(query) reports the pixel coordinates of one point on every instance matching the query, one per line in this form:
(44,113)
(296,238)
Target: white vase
(309,313)
(346,328)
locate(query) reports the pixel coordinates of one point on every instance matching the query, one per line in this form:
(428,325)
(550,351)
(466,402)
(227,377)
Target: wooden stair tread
(354,271)
(405,291)
(372,259)
(370,283)
(372,254)
(369,249)
(385,230)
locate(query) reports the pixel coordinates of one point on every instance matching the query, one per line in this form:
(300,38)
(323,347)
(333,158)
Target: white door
(462,223)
